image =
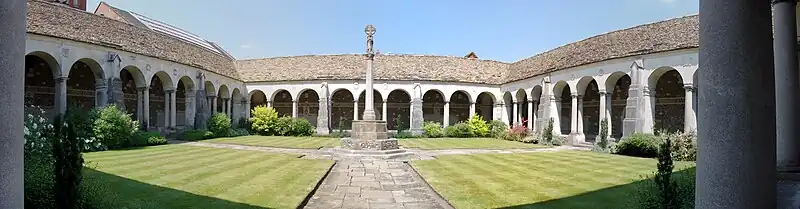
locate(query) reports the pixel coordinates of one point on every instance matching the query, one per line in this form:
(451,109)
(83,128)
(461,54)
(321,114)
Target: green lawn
(469,143)
(280,141)
(568,179)
(180,176)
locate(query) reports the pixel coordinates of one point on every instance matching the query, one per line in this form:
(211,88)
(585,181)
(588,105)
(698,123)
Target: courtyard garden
(459,143)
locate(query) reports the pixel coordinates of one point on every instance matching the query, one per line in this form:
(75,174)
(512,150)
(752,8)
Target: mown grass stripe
(455,182)
(214,170)
(225,171)
(512,170)
(129,165)
(114,154)
(569,174)
(141,155)
(171,167)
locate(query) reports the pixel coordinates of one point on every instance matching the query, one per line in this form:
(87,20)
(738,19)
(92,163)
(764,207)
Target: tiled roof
(57,21)
(668,35)
(387,67)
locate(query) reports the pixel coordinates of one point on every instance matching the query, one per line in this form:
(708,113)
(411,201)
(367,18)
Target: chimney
(77,4)
(471,56)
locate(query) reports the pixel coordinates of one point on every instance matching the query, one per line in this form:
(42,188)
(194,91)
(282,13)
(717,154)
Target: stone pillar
(167,104)
(139,106)
(787,83)
(114,93)
(355,109)
(323,122)
(173,112)
(580,115)
(190,107)
(555,114)
(736,161)
(213,104)
(515,113)
(574,115)
(61,94)
(647,109)
(609,108)
(247,109)
(632,122)
(472,109)
(543,111)
(603,111)
(100,88)
(530,114)
(383,115)
(446,114)
(294,108)
(689,123)
(228,108)
(13,14)
(416,116)
(269,103)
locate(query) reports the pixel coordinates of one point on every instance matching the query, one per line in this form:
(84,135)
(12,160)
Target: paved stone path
(375,184)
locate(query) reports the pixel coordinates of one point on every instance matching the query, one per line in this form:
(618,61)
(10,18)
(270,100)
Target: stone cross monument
(369,134)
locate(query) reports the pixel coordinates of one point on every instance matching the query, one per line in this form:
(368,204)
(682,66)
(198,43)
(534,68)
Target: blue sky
(503,30)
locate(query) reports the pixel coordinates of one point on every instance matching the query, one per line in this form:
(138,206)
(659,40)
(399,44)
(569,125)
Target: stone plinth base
(577,138)
(372,154)
(369,130)
(369,144)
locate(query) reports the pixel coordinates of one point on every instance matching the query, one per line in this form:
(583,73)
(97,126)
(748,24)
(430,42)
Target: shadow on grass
(621,196)
(110,191)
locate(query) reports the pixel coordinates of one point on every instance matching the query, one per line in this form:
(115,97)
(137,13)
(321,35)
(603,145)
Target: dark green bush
(283,126)
(68,164)
(194,135)
(143,138)
(219,124)
(239,132)
(208,135)
(113,127)
(459,130)
(243,123)
(39,175)
(301,127)
(432,129)
(497,128)
(666,189)
(639,145)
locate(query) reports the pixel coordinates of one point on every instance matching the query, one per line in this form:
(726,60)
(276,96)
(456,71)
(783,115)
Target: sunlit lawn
(569,179)
(181,176)
(280,141)
(467,143)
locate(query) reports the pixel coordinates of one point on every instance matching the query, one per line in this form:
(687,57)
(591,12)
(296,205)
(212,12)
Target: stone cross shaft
(369,106)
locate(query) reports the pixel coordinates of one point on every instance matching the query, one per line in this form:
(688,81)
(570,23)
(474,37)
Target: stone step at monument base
(340,152)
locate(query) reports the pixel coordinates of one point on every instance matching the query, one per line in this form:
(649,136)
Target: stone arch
(160,83)
(282,102)
(521,98)
(612,79)
(536,96)
(132,79)
(184,97)
(257,98)
(508,102)
(460,102)
(211,90)
(589,108)
(667,97)
(342,109)
(40,72)
(398,109)
(433,106)
(308,105)
(484,105)
(377,100)
(238,107)
(562,92)
(223,95)
(619,100)
(84,75)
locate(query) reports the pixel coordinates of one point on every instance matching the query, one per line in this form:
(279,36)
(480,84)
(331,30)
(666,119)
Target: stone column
(472,109)
(173,112)
(580,115)
(355,109)
(787,83)
(139,106)
(555,114)
(648,107)
(12,87)
(167,104)
(114,93)
(100,88)
(515,113)
(323,122)
(609,108)
(736,161)
(190,107)
(61,94)
(294,108)
(383,115)
(247,109)
(228,108)
(632,121)
(416,116)
(269,103)
(603,111)
(574,115)
(213,104)
(446,114)
(530,114)
(689,123)
(145,106)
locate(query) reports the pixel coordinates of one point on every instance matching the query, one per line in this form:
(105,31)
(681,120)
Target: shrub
(517,133)
(432,129)
(263,120)
(667,189)
(238,132)
(547,134)
(113,127)
(478,126)
(459,130)
(37,133)
(684,145)
(159,140)
(219,124)
(497,128)
(147,139)
(283,126)
(68,164)
(208,135)
(301,127)
(601,142)
(193,135)
(639,145)
(243,123)
(39,177)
